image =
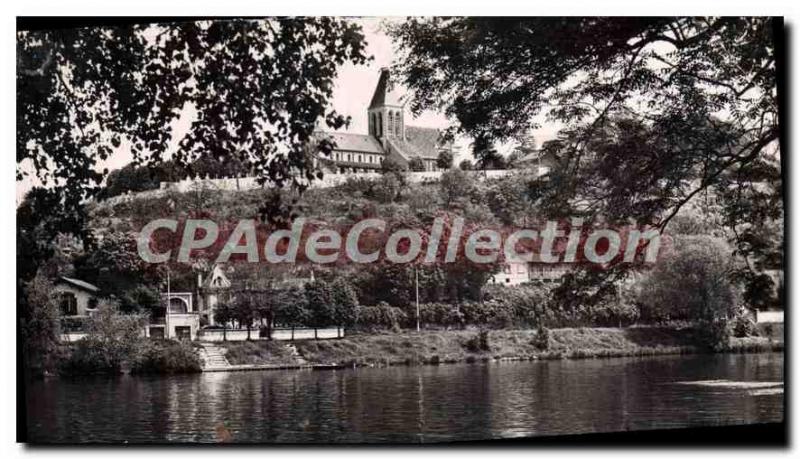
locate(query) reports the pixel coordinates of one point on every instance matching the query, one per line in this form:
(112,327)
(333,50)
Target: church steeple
(385,112)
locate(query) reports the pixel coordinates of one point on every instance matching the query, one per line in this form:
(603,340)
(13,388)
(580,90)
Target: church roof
(424,140)
(346,141)
(386,93)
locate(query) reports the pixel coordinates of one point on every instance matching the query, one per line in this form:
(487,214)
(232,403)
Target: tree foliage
(655,111)
(81,93)
(694,283)
(445,159)
(699,95)
(38,325)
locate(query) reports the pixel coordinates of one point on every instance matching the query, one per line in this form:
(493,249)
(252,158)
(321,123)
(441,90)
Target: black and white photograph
(400,230)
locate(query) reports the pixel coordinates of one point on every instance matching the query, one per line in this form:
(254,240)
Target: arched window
(69,304)
(380,125)
(390,123)
(177,306)
(372,124)
(359,159)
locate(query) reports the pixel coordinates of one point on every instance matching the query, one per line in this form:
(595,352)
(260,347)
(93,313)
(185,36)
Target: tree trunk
(315,333)
(292,333)
(248,332)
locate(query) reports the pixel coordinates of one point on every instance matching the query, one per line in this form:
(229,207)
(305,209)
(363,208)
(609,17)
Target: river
(412,404)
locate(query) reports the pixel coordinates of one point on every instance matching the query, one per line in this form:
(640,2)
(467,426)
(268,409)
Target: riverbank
(453,346)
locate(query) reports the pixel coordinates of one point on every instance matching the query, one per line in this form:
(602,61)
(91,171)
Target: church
(388,136)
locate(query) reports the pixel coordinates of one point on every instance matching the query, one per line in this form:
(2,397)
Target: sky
(354,87)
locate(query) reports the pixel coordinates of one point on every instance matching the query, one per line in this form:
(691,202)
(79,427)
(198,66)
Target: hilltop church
(388,136)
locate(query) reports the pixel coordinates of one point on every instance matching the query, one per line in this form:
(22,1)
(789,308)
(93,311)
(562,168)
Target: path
(213,357)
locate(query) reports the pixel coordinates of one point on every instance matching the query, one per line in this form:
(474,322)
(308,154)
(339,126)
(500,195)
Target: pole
(416,283)
(166,313)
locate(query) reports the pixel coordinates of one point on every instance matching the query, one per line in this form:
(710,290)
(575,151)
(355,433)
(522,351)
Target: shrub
(715,333)
(693,283)
(167,357)
(541,340)
(90,356)
(440,314)
(479,342)
(744,326)
(380,316)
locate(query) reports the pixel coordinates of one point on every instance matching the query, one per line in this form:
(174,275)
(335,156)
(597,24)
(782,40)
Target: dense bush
(479,342)
(380,316)
(743,326)
(167,357)
(694,283)
(491,313)
(90,356)
(541,340)
(440,314)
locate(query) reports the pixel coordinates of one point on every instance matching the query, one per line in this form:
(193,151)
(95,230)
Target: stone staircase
(213,357)
(296,355)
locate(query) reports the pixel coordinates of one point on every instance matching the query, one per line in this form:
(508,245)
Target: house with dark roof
(76,298)
(388,136)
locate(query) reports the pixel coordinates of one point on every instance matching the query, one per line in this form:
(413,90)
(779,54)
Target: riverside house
(77,300)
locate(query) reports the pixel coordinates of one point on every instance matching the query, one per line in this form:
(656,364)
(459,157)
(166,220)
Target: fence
(328,181)
(278,334)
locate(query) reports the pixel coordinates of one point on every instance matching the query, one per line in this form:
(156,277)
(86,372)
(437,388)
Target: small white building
(77,301)
(76,298)
(180,320)
(517,272)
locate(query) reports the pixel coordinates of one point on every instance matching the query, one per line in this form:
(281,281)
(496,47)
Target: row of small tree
(318,304)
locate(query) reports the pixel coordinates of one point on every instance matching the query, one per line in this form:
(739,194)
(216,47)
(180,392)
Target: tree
(116,336)
(82,92)
(466,165)
(387,188)
(291,308)
(131,178)
(319,298)
(455,188)
(694,283)
(416,165)
(42,216)
(223,313)
(445,159)
(486,155)
(392,165)
(39,326)
(244,309)
(140,298)
(526,146)
(115,266)
(345,303)
(509,201)
(689,104)
(85,94)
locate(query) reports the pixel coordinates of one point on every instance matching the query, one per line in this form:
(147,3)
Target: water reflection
(408,404)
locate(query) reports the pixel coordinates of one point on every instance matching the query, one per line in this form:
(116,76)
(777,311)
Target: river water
(412,404)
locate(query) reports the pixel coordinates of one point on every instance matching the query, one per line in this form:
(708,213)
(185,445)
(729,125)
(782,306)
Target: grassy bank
(433,347)
(258,353)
